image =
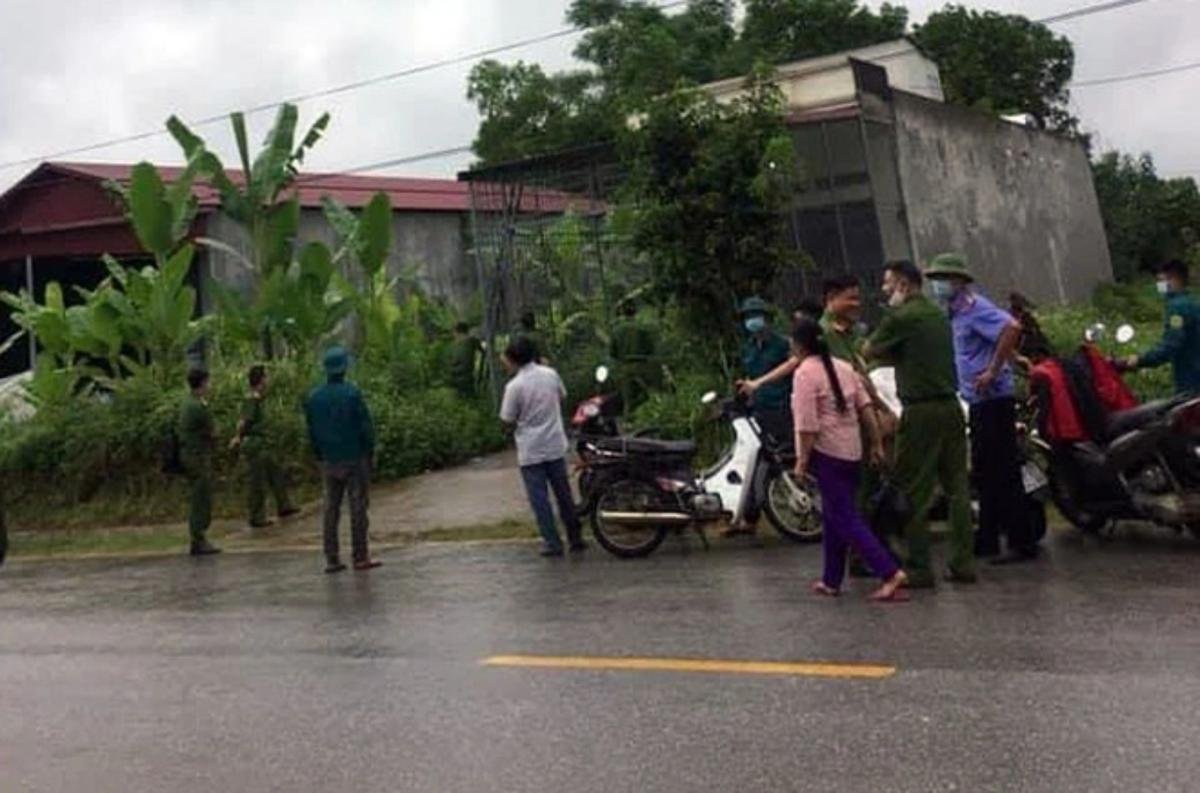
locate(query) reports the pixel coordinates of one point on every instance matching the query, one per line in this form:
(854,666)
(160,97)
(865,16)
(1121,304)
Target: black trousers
(996,471)
(776,423)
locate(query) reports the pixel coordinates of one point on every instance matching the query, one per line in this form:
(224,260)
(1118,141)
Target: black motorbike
(1137,464)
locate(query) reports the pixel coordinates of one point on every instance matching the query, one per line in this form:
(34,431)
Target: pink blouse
(814,408)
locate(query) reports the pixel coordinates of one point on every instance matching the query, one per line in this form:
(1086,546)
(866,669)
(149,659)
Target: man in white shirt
(532,406)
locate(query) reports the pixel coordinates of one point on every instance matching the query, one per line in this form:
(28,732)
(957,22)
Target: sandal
(892,591)
(821,588)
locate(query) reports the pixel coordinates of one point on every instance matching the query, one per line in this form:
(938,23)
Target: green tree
(710,183)
(1148,220)
(1002,63)
(787,30)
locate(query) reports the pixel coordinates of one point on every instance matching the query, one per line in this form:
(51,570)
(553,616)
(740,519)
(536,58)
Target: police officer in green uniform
(763,352)
(464,362)
(931,445)
(197,441)
(634,351)
(1180,345)
(252,439)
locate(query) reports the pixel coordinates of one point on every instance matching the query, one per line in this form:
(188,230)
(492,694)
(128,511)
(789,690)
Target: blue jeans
(554,474)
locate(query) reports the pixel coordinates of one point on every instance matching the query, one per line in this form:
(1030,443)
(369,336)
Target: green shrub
(99,458)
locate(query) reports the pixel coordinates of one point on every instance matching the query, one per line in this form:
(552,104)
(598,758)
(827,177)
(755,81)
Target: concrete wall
(1018,202)
(829,80)
(432,242)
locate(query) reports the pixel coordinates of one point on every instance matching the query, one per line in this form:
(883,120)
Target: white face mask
(1163,287)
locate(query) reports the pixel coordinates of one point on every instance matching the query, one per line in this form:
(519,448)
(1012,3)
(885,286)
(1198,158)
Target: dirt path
(484,492)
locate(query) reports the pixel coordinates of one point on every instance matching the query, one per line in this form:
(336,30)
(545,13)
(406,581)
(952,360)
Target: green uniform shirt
(762,356)
(1180,345)
(844,344)
(254,418)
(463,362)
(915,337)
(197,436)
(632,341)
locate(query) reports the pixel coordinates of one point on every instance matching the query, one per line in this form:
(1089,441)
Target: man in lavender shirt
(985,341)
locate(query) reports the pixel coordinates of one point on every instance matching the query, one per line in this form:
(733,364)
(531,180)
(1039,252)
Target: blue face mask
(756,324)
(942,291)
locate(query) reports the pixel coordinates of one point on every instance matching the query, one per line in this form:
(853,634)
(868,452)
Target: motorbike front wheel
(1068,504)
(628,540)
(794,509)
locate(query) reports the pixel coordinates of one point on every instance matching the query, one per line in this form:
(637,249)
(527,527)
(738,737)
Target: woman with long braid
(829,401)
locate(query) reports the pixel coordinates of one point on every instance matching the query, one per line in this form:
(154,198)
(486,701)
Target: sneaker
(335,566)
(204,548)
(367,564)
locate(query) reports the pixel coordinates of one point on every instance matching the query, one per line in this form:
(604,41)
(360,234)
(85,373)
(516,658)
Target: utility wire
(1125,78)
(1099,8)
(331,91)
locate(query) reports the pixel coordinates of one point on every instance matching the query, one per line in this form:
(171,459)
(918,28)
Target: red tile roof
(413,195)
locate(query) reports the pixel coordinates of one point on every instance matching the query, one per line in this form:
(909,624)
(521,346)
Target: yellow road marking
(853,671)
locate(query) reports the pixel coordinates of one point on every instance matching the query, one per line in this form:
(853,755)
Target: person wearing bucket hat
(343,440)
(985,345)
(763,351)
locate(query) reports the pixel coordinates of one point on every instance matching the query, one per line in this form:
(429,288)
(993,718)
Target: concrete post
(29,288)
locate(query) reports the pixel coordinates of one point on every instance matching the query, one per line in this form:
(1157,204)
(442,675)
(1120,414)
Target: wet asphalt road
(257,673)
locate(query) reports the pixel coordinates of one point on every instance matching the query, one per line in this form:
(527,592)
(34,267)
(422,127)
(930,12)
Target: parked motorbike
(647,488)
(1141,463)
(594,418)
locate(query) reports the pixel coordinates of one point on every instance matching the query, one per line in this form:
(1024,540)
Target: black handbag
(888,509)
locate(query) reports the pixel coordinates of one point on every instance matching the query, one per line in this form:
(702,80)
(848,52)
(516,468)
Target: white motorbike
(646,488)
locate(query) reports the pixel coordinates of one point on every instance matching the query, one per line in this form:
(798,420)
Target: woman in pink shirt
(829,402)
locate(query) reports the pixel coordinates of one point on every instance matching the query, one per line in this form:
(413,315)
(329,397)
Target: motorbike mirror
(1095,332)
(601,374)
(1125,334)
(709,398)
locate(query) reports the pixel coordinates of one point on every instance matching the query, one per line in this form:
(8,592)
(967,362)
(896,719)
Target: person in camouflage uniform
(264,471)
(634,352)
(197,441)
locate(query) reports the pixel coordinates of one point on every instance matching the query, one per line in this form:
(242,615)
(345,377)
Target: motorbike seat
(1125,421)
(647,446)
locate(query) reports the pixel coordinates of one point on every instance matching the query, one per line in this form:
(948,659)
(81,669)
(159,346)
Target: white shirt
(533,401)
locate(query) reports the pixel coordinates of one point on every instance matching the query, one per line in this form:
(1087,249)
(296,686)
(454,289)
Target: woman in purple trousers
(829,404)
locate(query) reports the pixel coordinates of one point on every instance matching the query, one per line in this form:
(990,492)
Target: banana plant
(367,240)
(258,203)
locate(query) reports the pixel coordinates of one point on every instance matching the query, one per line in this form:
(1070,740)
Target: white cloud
(73,73)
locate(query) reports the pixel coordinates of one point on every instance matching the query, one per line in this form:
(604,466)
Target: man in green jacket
(931,444)
(1180,345)
(197,442)
(252,439)
(343,439)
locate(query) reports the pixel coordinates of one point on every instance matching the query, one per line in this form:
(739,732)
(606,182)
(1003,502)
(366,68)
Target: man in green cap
(252,439)
(343,440)
(634,351)
(763,352)
(985,345)
(197,442)
(1180,345)
(931,444)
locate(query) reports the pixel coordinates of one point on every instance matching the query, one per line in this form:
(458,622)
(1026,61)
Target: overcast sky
(77,73)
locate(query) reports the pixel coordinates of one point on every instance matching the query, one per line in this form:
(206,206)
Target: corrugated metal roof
(354,191)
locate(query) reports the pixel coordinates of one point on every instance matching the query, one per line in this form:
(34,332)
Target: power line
(1088,11)
(305,180)
(1124,78)
(325,92)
